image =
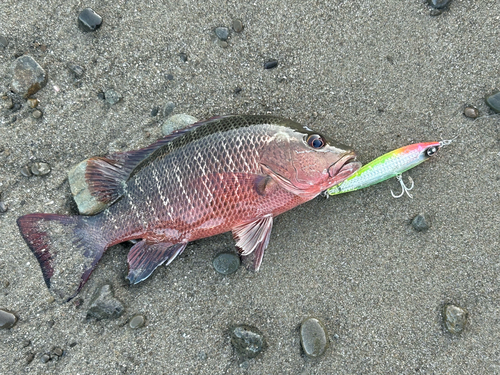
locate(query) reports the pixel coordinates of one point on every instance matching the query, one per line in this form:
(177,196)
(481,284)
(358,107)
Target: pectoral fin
(254,238)
(143,258)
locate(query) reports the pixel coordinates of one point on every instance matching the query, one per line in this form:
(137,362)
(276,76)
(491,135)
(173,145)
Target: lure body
(387,166)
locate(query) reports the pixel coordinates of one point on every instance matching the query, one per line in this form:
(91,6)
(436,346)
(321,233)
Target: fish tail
(67,248)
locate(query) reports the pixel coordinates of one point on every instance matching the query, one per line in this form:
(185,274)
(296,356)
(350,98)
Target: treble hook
(405,188)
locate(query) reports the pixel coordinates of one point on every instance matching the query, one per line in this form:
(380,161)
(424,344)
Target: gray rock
(177,122)
(455,319)
(313,337)
(421,222)
(222,32)
(248,341)
(471,112)
(104,305)
(111,97)
(88,20)
(57,352)
(28,76)
(4,42)
(438,4)
(237,25)
(137,321)
(37,114)
(77,70)
(7,319)
(167,109)
(494,102)
(87,204)
(45,358)
(271,64)
(25,171)
(7,103)
(226,263)
(40,168)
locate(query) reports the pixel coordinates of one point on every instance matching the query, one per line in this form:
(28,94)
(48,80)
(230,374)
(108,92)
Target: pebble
(494,102)
(88,20)
(177,122)
(30,357)
(167,109)
(237,25)
(40,168)
(270,64)
(45,358)
(248,341)
(86,202)
(77,70)
(421,222)
(154,111)
(37,114)
(226,263)
(3,208)
(438,4)
(111,97)
(222,32)
(3,41)
(313,337)
(7,103)
(104,305)
(7,319)
(57,351)
(223,44)
(455,319)
(435,12)
(26,343)
(32,102)
(471,112)
(137,321)
(183,56)
(28,76)
(25,171)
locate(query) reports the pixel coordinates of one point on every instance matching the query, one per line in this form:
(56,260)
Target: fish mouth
(343,167)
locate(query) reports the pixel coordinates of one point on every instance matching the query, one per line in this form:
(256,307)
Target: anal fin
(252,239)
(143,258)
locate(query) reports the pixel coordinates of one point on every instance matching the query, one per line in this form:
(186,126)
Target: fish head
(306,162)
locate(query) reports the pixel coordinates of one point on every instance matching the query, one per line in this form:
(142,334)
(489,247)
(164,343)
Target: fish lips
(343,167)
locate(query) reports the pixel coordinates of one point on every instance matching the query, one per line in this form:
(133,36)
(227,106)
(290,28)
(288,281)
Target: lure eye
(316,141)
(431,151)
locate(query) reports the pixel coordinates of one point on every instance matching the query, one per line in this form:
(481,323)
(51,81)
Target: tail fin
(67,248)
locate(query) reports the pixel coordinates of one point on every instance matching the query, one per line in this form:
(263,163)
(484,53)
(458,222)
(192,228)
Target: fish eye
(431,151)
(316,141)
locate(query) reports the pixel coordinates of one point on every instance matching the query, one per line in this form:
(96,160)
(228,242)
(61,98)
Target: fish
(230,173)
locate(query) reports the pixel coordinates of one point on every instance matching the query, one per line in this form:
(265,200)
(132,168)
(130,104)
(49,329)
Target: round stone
(313,337)
(471,112)
(40,168)
(270,64)
(237,25)
(88,20)
(45,358)
(226,263)
(494,102)
(137,321)
(222,32)
(177,122)
(7,319)
(57,351)
(247,340)
(111,97)
(37,114)
(168,109)
(421,222)
(455,319)
(438,4)
(25,171)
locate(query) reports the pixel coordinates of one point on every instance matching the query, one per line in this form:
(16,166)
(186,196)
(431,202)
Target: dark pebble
(248,341)
(88,20)
(270,64)
(170,77)
(29,358)
(494,102)
(16,107)
(26,343)
(25,171)
(471,112)
(111,97)
(73,344)
(435,12)
(100,95)
(3,41)
(226,263)
(137,322)
(438,4)
(51,323)
(313,337)
(45,358)
(104,305)
(28,76)
(37,114)
(7,319)
(237,25)
(455,319)
(168,109)
(222,32)
(237,90)
(40,168)
(421,222)
(183,56)
(57,351)
(154,111)
(77,70)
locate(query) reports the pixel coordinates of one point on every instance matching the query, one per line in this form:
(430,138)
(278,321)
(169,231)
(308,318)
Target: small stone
(237,25)
(37,114)
(494,102)
(223,44)
(57,351)
(26,343)
(248,341)
(202,355)
(222,32)
(137,321)
(245,365)
(51,299)
(30,357)
(154,111)
(77,70)
(51,323)
(7,103)
(455,318)
(111,97)
(3,41)
(88,20)
(471,112)
(438,4)
(167,109)
(421,222)
(45,358)
(435,12)
(3,207)
(40,168)
(270,64)
(28,76)
(104,305)
(313,337)
(7,319)
(183,56)
(32,102)
(170,77)
(177,122)
(226,263)
(73,344)
(86,202)
(25,171)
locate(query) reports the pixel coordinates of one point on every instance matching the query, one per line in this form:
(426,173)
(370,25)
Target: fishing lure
(389,165)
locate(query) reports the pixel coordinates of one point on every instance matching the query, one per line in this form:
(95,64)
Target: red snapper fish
(231,173)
